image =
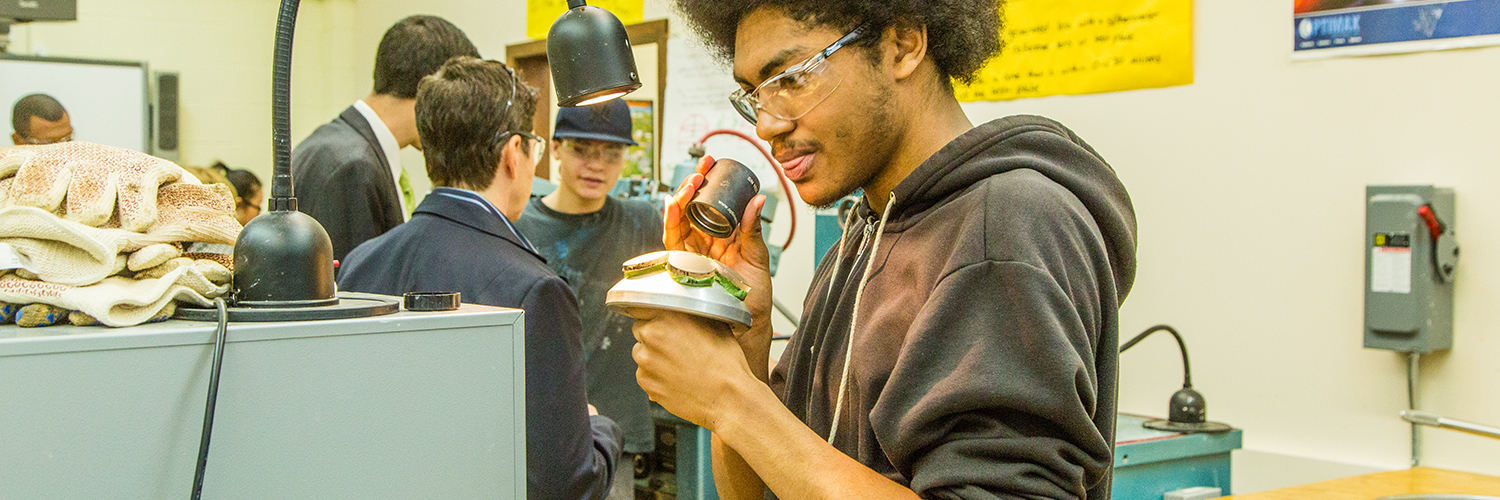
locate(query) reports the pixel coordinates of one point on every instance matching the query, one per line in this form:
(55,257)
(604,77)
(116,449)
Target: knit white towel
(119,301)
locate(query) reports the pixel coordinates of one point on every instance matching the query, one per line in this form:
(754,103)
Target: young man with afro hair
(960,342)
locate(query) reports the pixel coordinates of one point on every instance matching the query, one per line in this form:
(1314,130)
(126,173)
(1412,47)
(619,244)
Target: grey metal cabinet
(409,405)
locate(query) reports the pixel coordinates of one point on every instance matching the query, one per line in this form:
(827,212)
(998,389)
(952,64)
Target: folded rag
(101,231)
(120,301)
(66,252)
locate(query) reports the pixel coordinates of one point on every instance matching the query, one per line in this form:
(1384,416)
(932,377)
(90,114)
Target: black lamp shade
(590,57)
(284,259)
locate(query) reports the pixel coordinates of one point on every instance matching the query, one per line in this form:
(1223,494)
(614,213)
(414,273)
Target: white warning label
(1390,270)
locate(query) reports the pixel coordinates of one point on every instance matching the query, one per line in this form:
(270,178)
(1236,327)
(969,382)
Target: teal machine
(1149,463)
(1177,459)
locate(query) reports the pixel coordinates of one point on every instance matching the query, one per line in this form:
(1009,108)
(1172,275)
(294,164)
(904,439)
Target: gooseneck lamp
(283,258)
(1187,412)
(590,56)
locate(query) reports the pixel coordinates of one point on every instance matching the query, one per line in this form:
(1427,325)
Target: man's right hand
(745,252)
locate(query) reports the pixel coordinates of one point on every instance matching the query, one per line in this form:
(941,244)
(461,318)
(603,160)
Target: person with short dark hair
(960,342)
(248,193)
(585,234)
(475,122)
(349,173)
(40,119)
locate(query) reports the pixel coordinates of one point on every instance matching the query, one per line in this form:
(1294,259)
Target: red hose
(791,204)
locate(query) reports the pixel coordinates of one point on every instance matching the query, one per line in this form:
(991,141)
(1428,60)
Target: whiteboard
(107,101)
(698,89)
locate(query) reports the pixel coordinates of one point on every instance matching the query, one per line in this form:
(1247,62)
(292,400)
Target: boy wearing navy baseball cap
(585,234)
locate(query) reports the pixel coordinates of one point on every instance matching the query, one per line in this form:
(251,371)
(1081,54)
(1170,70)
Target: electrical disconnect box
(1411,255)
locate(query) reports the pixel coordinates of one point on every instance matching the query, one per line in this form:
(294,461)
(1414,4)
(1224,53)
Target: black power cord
(1187,373)
(213,395)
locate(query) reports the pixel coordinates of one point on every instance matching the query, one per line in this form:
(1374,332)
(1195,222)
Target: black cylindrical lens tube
(722,199)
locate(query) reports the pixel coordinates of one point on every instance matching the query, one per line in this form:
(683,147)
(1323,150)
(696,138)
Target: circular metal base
(1185,427)
(350,305)
(659,291)
(287,304)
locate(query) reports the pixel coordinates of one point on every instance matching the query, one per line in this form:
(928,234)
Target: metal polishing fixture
(684,282)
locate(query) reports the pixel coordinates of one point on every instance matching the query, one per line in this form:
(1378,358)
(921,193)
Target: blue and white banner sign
(1330,28)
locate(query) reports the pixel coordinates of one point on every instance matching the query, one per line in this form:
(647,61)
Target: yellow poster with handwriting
(1057,47)
(541,13)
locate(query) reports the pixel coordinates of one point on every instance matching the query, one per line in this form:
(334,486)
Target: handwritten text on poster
(1087,46)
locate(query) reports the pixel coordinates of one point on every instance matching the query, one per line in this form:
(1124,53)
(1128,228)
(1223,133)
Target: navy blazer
(456,245)
(344,181)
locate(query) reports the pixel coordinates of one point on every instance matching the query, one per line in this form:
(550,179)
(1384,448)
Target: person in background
(475,122)
(213,175)
(586,235)
(961,340)
(349,173)
(40,119)
(248,193)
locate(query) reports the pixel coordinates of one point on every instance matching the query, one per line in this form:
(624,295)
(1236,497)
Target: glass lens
(708,219)
(745,105)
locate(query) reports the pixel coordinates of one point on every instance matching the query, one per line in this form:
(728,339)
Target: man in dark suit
(473,117)
(349,173)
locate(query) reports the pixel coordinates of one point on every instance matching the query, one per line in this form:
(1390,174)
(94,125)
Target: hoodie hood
(1025,142)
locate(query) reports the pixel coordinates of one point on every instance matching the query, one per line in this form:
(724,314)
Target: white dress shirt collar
(388,146)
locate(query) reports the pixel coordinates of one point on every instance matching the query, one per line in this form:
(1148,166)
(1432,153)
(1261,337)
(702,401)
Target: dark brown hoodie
(986,324)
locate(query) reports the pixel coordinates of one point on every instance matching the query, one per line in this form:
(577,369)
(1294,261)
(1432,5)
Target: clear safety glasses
(794,92)
(537,144)
(43,142)
(608,152)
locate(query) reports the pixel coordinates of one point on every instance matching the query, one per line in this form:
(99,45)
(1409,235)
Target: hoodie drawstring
(838,407)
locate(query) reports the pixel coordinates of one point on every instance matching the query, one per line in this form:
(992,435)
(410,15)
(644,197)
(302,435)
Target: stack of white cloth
(95,235)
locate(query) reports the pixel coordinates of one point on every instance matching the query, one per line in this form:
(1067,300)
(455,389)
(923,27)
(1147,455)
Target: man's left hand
(688,364)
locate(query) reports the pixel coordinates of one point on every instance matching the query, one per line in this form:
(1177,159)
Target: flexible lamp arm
(282,196)
(573,4)
(1187,374)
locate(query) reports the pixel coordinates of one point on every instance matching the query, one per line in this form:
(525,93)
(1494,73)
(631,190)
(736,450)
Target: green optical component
(712,273)
(693,282)
(645,271)
(728,286)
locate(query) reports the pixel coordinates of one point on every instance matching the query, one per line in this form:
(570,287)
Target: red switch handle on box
(1433,225)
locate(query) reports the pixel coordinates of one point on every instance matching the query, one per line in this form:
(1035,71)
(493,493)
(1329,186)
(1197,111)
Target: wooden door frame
(530,60)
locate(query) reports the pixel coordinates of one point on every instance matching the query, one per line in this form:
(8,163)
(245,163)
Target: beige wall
(222,50)
(1249,188)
